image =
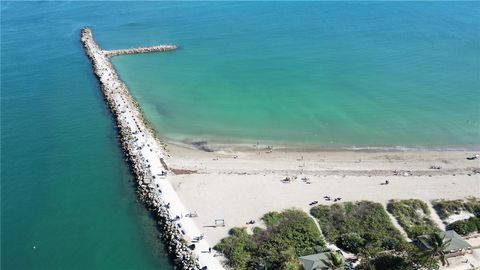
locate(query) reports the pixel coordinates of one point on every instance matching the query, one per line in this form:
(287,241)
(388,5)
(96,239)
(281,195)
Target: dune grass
(289,235)
(414,217)
(356,226)
(446,208)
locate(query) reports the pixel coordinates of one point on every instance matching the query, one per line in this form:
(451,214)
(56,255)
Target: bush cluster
(355,226)
(446,208)
(466,227)
(414,217)
(289,235)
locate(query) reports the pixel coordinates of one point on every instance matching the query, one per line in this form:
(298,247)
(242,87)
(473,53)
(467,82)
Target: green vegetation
(466,227)
(413,215)
(334,261)
(387,261)
(289,235)
(272,218)
(356,226)
(446,208)
(437,245)
(405,257)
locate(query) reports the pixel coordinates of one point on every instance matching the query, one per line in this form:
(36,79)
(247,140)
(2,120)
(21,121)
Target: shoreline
(240,186)
(323,163)
(250,146)
(239,144)
(145,154)
(242,182)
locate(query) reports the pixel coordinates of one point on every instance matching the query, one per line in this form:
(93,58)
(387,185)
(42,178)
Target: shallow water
(341,74)
(334,74)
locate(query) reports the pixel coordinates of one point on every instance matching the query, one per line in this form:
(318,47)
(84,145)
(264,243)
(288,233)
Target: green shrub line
(414,217)
(466,227)
(363,228)
(446,208)
(289,235)
(356,226)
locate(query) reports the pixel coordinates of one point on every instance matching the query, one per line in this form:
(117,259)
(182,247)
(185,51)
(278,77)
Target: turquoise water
(333,74)
(65,188)
(342,74)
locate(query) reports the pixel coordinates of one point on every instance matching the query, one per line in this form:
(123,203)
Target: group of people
(328,198)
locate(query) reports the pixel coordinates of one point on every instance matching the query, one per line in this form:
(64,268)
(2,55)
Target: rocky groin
(145,154)
(151,49)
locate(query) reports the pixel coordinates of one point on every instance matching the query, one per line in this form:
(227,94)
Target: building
(316,261)
(456,246)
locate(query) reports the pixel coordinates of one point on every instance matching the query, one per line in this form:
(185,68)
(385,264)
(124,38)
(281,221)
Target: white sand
(147,150)
(244,188)
(460,216)
(240,186)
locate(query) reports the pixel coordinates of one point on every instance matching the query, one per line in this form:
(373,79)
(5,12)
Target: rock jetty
(145,153)
(160,48)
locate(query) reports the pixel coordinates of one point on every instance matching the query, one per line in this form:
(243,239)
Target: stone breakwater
(151,49)
(145,154)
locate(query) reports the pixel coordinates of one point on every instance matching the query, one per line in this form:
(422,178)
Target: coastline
(237,182)
(252,146)
(145,154)
(239,186)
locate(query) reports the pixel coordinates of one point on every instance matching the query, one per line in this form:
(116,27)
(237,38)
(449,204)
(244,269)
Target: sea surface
(331,74)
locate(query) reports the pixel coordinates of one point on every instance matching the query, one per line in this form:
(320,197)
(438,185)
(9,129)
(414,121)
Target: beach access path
(146,146)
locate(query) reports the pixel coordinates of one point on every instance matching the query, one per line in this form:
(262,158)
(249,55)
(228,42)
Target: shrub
(390,262)
(236,248)
(289,235)
(446,208)
(366,219)
(272,218)
(351,241)
(413,215)
(466,227)
(406,256)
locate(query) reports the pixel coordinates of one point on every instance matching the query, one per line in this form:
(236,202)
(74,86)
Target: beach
(217,187)
(337,74)
(239,186)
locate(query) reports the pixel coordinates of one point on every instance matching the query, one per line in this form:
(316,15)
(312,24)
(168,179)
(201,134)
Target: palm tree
(436,246)
(334,261)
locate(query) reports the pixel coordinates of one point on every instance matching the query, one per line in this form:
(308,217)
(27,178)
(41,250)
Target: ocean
(327,74)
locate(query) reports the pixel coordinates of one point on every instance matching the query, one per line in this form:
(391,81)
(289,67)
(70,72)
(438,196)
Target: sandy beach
(239,186)
(235,184)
